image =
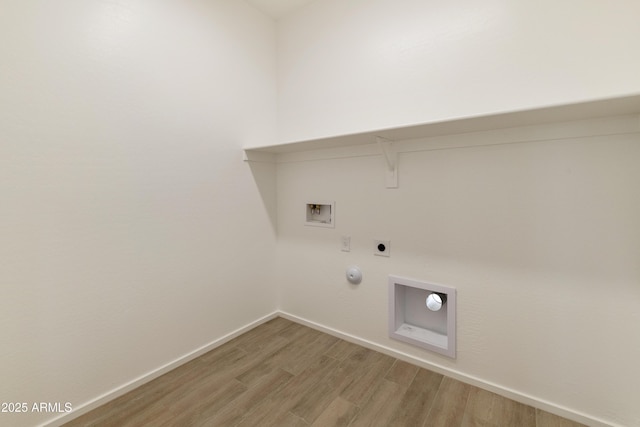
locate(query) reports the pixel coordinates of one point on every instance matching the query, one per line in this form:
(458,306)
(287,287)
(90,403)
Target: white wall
(131,233)
(358,65)
(540,238)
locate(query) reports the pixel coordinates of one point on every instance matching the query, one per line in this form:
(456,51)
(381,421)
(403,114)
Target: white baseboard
(460,376)
(125,388)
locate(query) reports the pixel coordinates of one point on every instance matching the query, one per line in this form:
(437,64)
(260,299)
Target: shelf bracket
(391,158)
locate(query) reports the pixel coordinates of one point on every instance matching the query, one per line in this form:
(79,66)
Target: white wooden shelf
(624,105)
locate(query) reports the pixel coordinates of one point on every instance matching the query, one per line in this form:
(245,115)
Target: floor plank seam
(435,398)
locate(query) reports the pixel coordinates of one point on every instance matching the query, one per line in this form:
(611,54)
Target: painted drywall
(131,231)
(354,66)
(532,235)
(539,236)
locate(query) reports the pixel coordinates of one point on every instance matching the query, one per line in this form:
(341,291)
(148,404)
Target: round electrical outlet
(381,247)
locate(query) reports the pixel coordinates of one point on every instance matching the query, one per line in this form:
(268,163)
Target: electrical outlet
(382,247)
(346,243)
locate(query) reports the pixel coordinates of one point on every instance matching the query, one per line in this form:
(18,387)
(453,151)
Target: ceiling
(277,8)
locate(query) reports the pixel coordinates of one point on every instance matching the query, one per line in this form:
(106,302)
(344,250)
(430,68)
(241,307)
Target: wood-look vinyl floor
(285,374)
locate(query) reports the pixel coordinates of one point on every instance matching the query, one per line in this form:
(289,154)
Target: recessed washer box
(411,321)
(320,214)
